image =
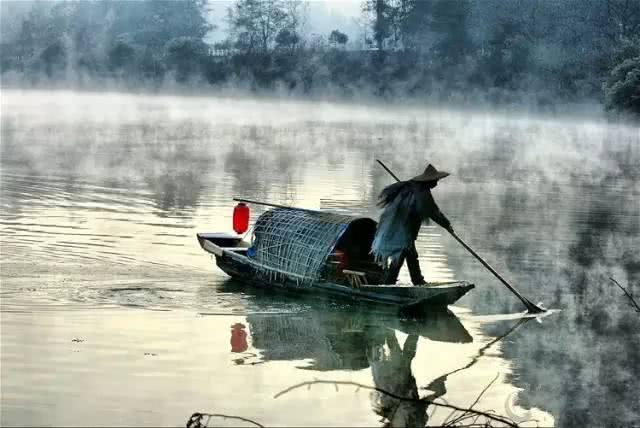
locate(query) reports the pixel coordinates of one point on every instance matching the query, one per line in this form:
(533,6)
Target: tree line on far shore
(502,51)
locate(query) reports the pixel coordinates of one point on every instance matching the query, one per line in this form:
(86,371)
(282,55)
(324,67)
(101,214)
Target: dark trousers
(411,255)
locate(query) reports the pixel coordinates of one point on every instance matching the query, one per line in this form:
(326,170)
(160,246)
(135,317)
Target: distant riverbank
(468,53)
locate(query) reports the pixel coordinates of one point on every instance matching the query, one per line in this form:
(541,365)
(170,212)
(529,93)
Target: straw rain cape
(395,229)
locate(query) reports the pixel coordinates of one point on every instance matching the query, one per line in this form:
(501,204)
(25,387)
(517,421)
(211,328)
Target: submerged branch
(466,412)
(469,413)
(628,294)
(201,420)
(335,383)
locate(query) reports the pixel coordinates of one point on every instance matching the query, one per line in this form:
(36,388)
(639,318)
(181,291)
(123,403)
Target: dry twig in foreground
(201,420)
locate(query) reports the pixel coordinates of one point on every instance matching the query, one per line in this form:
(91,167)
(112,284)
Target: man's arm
(435,214)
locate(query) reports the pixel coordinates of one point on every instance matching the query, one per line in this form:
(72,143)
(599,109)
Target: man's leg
(414,266)
(392,271)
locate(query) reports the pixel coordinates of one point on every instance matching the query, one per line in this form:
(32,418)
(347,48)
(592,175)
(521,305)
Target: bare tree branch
(628,294)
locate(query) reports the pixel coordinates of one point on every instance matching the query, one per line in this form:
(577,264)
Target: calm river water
(111,314)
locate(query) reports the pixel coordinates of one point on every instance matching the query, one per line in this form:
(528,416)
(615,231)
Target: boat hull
(231,258)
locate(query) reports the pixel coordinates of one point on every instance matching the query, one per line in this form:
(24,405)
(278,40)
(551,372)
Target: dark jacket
(407,205)
(426,208)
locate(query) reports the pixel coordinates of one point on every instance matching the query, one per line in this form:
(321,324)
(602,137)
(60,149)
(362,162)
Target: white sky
(344,7)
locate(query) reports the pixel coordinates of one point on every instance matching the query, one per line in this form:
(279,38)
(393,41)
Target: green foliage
(102,35)
(449,22)
(184,56)
(622,90)
(254,24)
(287,39)
(413,22)
(382,23)
(153,23)
(338,38)
(507,56)
(53,58)
(120,56)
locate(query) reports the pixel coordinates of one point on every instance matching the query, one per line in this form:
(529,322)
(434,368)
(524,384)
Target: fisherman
(407,204)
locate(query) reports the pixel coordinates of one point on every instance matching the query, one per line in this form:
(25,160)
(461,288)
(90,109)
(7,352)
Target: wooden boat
(317,252)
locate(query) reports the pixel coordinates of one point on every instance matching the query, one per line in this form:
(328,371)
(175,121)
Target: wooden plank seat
(356,278)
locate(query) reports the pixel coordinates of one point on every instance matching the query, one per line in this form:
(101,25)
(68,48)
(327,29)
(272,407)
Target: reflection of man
(406,205)
(392,373)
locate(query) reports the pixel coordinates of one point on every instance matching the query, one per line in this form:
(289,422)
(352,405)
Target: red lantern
(241,218)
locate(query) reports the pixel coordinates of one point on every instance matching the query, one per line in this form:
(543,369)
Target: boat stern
(220,240)
(441,296)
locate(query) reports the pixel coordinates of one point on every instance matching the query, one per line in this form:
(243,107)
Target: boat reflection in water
(330,338)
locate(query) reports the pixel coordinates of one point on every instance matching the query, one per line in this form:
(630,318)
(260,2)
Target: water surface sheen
(112,314)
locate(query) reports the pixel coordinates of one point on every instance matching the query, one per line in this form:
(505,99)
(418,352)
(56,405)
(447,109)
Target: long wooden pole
(388,170)
(531,308)
(268,204)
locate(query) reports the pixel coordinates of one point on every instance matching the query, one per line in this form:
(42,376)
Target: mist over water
(102,194)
